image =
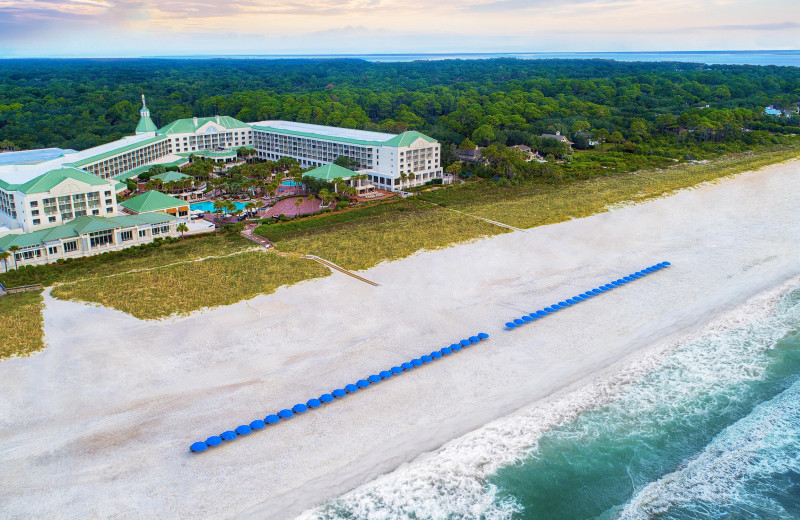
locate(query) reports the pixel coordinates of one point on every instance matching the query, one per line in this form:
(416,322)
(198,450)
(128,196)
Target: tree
(14,250)
(182,228)
(346,162)
(411,178)
(250,206)
(616,138)
(4,257)
(580,126)
(297,204)
(466,144)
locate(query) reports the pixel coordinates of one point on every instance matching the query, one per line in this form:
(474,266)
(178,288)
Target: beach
(98,425)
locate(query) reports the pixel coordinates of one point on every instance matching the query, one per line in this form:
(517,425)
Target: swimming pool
(291,183)
(208,207)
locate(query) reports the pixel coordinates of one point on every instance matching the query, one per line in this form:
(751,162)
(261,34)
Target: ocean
(705,428)
(763,57)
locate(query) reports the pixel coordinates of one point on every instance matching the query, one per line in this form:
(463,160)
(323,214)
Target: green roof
(346,140)
(407,138)
(146,125)
(117,151)
(141,169)
(118,187)
(151,201)
(182,126)
(53,178)
(86,224)
(171,176)
(329,172)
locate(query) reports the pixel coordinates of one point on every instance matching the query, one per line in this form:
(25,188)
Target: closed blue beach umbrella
(271,418)
(214,440)
(228,435)
(465,342)
(447,350)
(511,325)
(257,424)
(243,429)
(397,370)
(426,359)
(407,366)
(314,403)
(197,447)
(541,313)
(476,339)
(339,392)
(483,335)
(285,413)
(362,383)
(526,318)
(374,378)
(326,398)
(436,354)
(385,374)
(350,388)
(417,362)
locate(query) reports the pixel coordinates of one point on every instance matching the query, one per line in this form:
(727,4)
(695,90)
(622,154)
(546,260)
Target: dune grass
(151,255)
(533,205)
(20,324)
(389,231)
(180,289)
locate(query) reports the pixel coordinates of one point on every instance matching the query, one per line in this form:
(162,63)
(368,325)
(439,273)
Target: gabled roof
(53,178)
(171,176)
(86,224)
(151,201)
(134,144)
(329,172)
(407,138)
(183,126)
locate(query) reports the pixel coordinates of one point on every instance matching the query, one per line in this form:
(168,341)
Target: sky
(128,28)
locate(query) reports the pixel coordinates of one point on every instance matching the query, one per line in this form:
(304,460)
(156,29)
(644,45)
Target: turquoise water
(710,430)
(208,206)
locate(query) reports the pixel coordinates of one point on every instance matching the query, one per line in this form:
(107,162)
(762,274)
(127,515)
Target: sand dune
(98,425)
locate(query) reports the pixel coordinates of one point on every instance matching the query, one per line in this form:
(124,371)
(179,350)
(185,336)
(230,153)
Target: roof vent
(195,120)
(217,119)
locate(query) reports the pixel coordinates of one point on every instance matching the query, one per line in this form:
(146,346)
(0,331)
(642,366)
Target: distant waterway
(763,57)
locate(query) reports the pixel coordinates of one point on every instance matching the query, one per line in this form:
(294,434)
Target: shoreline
(105,415)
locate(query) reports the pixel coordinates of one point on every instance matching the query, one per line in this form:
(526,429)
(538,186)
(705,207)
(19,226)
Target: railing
(21,288)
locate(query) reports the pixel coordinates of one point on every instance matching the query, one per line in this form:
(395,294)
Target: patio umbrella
(483,335)
(339,392)
(228,435)
(426,359)
(397,370)
(447,351)
(475,339)
(374,378)
(406,366)
(436,354)
(285,413)
(214,440)
(314,403)
(197,447)
(362,383)
(299,408)
(243,429)
(257,424)
(549,309)
(541,313)
(416,362)
(350,388)
(527,318)
(511,325)
(326,398)
(465,343)
(518,321)
(455,347)
(271,418)
(385,374)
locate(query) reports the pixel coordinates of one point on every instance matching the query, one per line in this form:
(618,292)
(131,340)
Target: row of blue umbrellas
(246,429)
(591,293)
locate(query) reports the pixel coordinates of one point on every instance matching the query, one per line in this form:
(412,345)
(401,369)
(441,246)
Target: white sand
(98,425)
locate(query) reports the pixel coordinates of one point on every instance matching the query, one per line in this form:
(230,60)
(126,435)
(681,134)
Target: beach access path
(98,424)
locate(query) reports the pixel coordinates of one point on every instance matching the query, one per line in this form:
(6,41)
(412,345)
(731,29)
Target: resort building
(87,236)
(384,158)
(155,202)
(333,173)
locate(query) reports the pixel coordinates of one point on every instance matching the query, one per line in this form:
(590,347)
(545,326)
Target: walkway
(287,207)
(512,228)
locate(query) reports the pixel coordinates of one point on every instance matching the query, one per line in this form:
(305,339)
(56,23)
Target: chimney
(195,120)
(217,119)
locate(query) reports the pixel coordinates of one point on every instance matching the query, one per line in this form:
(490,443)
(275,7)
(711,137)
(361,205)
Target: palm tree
(411,177)
(297,204)
(14,250)
(250,207)
(183,228)
(4,257)
(403,179)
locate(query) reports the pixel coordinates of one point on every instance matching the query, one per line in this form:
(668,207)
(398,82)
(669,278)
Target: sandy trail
(98,425)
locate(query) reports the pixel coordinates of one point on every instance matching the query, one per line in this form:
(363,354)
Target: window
(95,212)
(71,246)
(36,222)
(108,202)
(142,233)
(126,236)
(35,213)
(109,210)
(34,204)
(101,238)
(108,194)
(52,250)
(155,231)
(51,219)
